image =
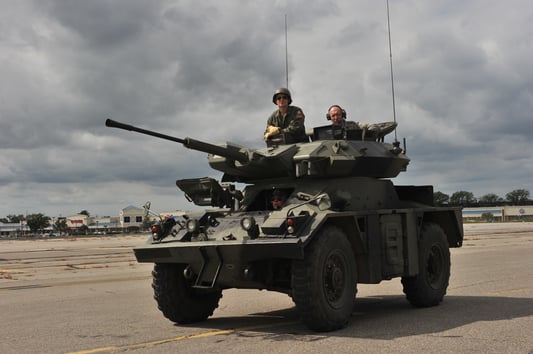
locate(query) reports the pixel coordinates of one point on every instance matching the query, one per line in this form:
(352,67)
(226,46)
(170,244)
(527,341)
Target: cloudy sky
(207,69)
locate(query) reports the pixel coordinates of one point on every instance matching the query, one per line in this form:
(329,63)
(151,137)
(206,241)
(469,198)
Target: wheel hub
(434,269)
(334,278)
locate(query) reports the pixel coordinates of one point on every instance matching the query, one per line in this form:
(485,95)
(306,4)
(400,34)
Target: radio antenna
(286,54)
(391,73)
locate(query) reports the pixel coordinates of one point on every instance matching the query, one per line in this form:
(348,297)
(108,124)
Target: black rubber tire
(177,300)
(324,282)
(429,286)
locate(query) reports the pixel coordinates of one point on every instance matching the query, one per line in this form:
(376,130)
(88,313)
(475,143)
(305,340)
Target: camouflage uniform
(292,124)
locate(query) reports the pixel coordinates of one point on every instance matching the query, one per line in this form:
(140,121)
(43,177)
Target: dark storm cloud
(153,59)
(104,24)
(207,69)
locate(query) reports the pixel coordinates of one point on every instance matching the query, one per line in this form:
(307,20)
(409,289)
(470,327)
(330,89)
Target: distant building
(131,218)
(78,220)
(105,224)
(499,213)
(513,212)
(13,229)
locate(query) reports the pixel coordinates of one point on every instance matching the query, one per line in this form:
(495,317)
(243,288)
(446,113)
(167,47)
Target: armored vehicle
(313,220)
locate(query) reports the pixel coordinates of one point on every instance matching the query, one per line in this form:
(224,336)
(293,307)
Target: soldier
(287,121)
(341,126)
(337,115)
(278,199)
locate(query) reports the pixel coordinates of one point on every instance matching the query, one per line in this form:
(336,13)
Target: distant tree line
(467,199)
(38,222)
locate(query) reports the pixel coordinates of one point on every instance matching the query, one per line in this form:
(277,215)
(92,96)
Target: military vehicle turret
(313,220)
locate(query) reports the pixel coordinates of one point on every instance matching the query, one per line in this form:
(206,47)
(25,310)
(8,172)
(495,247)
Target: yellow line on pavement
(177,339)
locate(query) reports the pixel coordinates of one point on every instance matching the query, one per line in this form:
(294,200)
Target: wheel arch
(348,225)
(451,222)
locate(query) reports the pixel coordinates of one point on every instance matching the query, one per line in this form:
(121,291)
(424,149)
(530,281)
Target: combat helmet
(284,91)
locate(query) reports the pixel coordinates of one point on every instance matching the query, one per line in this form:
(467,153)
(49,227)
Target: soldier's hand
(272,130)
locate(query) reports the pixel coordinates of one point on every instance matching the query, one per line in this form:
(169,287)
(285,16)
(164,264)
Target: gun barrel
(187,142)
(114,124)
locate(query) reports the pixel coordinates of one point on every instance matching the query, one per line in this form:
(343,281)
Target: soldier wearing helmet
(287,121)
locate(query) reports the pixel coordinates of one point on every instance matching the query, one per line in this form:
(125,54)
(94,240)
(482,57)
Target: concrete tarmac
(89,295)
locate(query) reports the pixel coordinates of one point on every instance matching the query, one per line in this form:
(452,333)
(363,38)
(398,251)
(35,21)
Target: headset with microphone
(343,112)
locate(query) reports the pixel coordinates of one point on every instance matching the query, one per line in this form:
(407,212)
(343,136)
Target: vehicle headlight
(248,223)
(192,225)
(156,232)
(290,226)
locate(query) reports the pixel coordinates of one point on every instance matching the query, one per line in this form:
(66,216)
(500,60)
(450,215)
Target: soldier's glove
(272,130)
